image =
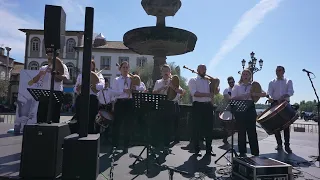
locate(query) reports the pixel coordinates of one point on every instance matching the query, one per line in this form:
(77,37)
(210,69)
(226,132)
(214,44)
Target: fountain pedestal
(160,41)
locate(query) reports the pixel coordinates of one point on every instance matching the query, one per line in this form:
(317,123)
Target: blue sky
(281,32)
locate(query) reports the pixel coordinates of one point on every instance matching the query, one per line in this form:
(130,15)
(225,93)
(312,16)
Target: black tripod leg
(223,155)
(147,160)
(137,159)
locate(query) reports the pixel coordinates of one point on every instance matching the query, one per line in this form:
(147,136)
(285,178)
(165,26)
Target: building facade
(105,53)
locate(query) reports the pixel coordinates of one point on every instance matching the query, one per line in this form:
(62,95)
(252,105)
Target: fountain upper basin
(154,40)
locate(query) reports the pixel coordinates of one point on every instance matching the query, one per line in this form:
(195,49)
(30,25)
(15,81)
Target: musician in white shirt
(123,109)
(170,119)
(281,89)
(246,121)
(44,77)
(202,110)
(94,104)
(227,96)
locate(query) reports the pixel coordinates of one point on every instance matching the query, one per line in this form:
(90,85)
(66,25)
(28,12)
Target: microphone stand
(318,109)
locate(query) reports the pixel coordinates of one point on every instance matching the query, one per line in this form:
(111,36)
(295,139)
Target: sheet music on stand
(235,105)
(38,93)
(149,102)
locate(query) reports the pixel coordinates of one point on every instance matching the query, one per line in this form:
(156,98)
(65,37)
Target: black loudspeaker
(81,157)
(54,27)
(41,154)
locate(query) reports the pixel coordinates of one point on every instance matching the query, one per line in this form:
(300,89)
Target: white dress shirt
(227,90)
(120,83)
(45,80)
(199,84)
(161,83)
(280,87)
(106,96)
(143,86)
(99,86)
(242,89)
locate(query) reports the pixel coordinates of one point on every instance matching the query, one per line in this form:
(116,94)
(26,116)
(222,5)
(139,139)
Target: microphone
(304,70)
(229,93)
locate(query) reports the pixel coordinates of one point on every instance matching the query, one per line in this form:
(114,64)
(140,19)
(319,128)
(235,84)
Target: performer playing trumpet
(280,89)
(202,110)
(123,108)
(246,121)
(93,108)
(171,117)
(44,75)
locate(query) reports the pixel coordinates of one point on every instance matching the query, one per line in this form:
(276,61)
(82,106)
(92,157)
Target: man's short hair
(230,78)
(281,68)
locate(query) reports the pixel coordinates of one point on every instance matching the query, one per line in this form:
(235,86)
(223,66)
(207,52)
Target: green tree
(4,87)
(145,74)
(218,99)
(309,106)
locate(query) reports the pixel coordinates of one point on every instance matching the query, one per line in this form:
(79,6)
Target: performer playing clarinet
(171,117)
(227,96)
(44,76)
(202,110)
(281,89)
(123,109)
(246,121)
(93,108)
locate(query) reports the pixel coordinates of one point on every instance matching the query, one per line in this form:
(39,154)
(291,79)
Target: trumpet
(214,82)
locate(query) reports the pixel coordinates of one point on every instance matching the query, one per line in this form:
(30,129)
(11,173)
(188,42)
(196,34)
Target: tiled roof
(111,45)
(41,30)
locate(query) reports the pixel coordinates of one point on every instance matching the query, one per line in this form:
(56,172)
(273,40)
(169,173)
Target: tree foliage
(308,106)
(4,87)
(146,77)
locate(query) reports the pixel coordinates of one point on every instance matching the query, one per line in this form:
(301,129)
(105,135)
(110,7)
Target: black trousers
(286,133)
(169,122)
(246,125)
(202,117)
(93,111)
(123,112)
(43,109)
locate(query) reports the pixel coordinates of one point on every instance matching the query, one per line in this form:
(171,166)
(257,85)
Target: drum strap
(104,96)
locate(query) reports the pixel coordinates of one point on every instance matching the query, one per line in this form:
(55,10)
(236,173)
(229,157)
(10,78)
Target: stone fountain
(160,41)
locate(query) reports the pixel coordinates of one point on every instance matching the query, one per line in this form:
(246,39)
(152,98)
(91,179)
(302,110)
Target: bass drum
(277,117)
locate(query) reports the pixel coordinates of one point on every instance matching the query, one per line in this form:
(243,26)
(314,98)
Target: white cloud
(248,21)
(11,22)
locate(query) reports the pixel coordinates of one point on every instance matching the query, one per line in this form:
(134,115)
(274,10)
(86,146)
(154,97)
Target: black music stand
(147,103)
(38,93)
(233,106)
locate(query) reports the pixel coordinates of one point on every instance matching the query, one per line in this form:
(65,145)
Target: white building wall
(114,59)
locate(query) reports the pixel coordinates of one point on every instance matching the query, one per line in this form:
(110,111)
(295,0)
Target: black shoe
(279,147)
(242,155)
(210,153)
(288,149)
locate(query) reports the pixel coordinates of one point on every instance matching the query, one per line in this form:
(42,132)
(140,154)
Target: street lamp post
(252,64)
(8,57)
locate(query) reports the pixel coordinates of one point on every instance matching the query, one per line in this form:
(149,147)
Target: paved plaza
(304,146)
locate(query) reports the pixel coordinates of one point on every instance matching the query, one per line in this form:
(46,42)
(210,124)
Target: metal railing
(304,127)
